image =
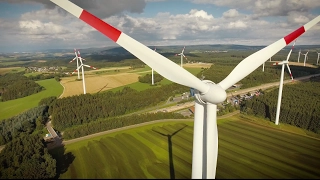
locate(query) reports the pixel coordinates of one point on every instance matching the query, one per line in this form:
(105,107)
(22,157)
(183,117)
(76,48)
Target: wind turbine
(305,58)
(182,55)
(283,63)
(81,66)
(152,70)
(76,58)
(299,55)
(318,58)
(263,67)
(207,93)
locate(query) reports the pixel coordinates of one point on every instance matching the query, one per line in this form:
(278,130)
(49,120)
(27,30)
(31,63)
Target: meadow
(16,106)
(163,150)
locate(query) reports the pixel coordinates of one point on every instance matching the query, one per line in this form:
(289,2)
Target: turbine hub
(216,94)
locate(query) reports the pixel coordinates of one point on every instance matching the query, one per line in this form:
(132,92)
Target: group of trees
(300,105)
(16,85)
(23,124)
(27,157)
(148,78)
(76,110)
(116,122)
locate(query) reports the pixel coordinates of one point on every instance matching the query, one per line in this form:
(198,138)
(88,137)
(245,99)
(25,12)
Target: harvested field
(96,83)
(301,64)
(197,65)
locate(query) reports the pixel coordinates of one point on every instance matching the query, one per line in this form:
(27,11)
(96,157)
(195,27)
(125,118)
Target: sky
(36,25)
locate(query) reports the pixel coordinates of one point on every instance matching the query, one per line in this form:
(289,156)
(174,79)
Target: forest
(27,157)
(17,85)
(300,105)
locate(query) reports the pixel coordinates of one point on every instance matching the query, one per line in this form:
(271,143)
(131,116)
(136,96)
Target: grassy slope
(14,107)
(247,149)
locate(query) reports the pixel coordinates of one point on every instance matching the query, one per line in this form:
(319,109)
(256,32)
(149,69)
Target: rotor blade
(291,50)
(212,140)
(289,71)
(161,64)
(197,152)
(89,66)
(183,49)
(73,59)
(249,64)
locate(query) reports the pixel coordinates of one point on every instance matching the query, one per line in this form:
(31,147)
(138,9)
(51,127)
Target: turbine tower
(152,70)
(182,55)
(318,58)
(263,67)
(81,66)
(207,93)
(283,63)
(305,58)
(299,55)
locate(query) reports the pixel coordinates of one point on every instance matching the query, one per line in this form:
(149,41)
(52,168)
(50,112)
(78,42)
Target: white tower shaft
(280,94)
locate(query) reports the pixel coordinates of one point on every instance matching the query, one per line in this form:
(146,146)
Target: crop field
(107,79)
(164,150)
(96,83)
(16,106)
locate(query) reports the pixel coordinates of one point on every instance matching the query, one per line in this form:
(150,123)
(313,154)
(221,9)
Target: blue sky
(29,25)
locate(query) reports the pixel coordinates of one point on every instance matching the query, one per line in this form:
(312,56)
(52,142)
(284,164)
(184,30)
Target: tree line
(148,78)
(300,105)
(84,108)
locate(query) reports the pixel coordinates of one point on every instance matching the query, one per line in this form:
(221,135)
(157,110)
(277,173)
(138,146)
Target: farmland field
(164,150)
(16,106)
(107,79)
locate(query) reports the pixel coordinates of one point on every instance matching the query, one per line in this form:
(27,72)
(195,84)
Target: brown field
(301,64)
(197,65)
(96,83)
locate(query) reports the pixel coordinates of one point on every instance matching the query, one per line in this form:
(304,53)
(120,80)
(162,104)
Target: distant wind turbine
(81,66)
(283,63)
(318,58)
(182,55)
(305,58)
(299,55)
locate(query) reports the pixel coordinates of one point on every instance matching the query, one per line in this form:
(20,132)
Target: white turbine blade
(249,64)
(89,66)
(197,152)
(183,50)
(184,56)
(73,59)
(288,56)
(161,64)
(289,71)
(212,140)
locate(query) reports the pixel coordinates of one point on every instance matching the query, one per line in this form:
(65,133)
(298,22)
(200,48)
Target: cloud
(101,8)
(262,8)
(231,13)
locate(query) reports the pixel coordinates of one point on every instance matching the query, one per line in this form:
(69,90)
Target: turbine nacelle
(215,94)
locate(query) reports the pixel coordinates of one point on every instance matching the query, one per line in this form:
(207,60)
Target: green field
(16,106)
(246,150)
